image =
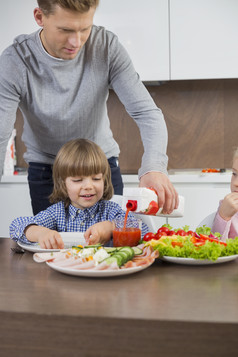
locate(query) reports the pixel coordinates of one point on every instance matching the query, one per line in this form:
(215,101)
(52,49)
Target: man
(59,77)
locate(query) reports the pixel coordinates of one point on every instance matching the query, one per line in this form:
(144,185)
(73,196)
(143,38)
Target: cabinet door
(17,18)
(204,39)
(142,28)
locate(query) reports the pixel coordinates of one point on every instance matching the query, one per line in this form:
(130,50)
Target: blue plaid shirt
(57,217)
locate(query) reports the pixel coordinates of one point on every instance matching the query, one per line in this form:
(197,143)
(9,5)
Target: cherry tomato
(192,233)
(148,236)
(163,230)
(158,235)
(171,233)
(181,232)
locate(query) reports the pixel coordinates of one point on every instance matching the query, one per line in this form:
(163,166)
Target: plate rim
(193,261)
(92,273)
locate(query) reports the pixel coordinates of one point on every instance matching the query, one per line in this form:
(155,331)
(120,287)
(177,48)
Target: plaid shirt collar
(86,213)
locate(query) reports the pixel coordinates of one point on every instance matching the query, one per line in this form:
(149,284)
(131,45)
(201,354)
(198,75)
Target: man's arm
(9,100)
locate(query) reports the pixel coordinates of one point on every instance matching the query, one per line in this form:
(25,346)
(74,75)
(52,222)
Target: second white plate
(69,238)
(191,261)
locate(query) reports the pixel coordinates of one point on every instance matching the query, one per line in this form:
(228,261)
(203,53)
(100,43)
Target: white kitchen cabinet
(143,29)
(16,18)
(15,201)
(201,198)
(203,39)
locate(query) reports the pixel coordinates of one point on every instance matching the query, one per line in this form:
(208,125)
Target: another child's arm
(229,206)
(47,238)
(227,209)
(100,232)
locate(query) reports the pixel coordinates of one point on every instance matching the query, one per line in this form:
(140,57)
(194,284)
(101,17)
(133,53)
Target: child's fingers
(59,241)
(54,241)
(94,238)
(88,233)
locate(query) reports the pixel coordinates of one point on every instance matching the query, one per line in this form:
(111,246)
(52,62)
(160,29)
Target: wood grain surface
(201,118)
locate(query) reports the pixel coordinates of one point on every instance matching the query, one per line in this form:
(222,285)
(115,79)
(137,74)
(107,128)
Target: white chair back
(207,221)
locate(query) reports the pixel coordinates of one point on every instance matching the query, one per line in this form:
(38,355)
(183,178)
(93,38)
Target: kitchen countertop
(186,176)
(167,309)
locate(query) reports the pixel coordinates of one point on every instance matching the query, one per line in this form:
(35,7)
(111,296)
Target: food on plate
(184,243)
(97,257)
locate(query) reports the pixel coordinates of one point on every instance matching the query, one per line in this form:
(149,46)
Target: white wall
(16,18)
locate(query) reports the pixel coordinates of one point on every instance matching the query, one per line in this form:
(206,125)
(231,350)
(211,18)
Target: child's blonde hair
(79,157)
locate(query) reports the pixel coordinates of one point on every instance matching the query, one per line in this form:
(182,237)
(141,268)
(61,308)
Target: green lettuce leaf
(210,250)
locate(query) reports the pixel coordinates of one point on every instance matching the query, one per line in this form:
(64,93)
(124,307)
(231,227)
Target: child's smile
(85,191)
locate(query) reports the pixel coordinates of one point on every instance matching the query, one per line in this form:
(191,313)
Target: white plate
(191,261)
(97,273)
(69,238)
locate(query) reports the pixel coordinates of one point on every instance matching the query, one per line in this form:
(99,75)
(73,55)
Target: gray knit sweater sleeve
(64,99)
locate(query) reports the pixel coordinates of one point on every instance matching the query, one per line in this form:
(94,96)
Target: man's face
(65,31)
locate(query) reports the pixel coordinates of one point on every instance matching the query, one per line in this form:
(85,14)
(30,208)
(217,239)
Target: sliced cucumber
(137,250)
(93,246)
(124,256)
(120,255)
(110,249)
(111,260)
(120,259)
(129,251)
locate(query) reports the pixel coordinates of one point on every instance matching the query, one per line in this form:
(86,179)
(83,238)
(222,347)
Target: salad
(184,243)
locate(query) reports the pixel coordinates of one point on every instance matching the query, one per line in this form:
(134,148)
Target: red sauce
(129,236)
(126,236)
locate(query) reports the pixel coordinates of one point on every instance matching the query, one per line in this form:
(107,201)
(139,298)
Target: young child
(81,194)
(226,219)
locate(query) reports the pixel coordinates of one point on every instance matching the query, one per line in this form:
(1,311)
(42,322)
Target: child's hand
(47,238)
(229,206)
(100,232)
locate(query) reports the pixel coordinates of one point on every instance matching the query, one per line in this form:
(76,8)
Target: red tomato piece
(148,236)
(181,232)
(171,233)
(192,233)
(153,208)
(163,230)
(158,235)
(179,244)
(198,244)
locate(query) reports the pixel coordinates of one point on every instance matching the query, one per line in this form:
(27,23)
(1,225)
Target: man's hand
(167,195)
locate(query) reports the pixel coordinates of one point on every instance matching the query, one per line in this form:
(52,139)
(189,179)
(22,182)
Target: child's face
(234,178)
(85,191)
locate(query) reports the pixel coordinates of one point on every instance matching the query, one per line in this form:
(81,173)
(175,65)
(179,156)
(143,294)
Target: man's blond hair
(48,6)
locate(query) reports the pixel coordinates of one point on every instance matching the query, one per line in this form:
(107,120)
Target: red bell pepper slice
(205,237)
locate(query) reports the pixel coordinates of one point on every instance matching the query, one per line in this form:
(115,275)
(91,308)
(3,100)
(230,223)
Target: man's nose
(75,40)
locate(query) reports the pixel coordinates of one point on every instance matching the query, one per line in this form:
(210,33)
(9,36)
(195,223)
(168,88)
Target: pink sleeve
(221,226)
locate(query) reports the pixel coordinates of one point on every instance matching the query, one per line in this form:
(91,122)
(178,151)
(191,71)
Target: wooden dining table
(165,310)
